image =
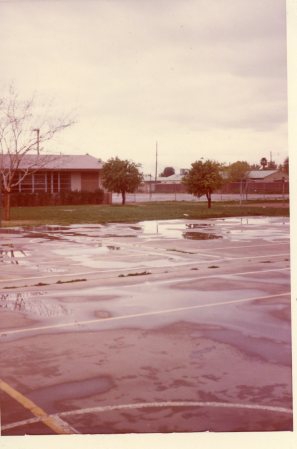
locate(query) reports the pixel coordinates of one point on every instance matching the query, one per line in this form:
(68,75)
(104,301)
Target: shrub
(21,199)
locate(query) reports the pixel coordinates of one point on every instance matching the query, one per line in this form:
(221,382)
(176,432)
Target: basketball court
(169,326)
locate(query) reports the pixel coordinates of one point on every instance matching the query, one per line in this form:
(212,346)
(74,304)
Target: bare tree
(23,131)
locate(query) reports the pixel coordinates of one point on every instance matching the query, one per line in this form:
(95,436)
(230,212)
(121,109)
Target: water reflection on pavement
(119,319)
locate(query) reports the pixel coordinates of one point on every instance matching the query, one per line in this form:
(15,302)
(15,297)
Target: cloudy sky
(204,78)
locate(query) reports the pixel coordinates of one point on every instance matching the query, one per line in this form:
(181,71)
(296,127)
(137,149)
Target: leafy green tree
(203,179)
(238,171)
(121,176)
(264,162)
(168,171)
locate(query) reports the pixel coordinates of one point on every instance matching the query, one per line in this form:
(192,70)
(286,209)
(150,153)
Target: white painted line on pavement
(137,315)
(257,257)
(175,404)
(252,246)
(114,270)
(209,276)
(54,423)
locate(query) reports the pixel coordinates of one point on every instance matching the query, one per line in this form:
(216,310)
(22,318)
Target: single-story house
(267,176)
(56,173)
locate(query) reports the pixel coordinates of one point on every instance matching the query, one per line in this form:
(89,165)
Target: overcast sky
(204,78)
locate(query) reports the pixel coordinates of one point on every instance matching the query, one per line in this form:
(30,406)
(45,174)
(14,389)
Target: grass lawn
(66,215)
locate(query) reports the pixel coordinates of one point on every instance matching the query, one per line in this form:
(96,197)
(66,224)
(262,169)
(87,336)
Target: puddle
(200,235)
(162,229)
(93,258)
(249,321)
(199,225)
(108,236)
(234,228)
(31,303)
(12,256)
(92,245)
(195,235)
(41,235)
(44,269)
(252,346)
(46,397)
(11,230)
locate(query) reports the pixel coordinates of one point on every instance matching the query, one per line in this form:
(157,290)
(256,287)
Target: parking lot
(169,326)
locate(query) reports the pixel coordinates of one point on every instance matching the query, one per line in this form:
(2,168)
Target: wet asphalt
(169,326)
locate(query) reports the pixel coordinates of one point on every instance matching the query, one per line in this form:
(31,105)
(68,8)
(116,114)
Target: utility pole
(1,180)
(0,200)
(38,133)
(156,162)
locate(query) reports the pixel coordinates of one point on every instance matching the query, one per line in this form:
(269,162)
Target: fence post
(240,192)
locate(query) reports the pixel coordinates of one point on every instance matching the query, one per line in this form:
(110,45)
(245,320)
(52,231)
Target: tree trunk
(123,197)
(6,198)
(208,196)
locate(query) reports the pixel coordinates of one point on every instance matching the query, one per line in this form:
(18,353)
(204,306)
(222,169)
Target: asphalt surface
(169,326)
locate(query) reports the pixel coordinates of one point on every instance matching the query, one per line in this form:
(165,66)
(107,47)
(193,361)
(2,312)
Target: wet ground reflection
(195,235)
(32,303)
(227,228)
(47,397)
(12,256)
(142,326)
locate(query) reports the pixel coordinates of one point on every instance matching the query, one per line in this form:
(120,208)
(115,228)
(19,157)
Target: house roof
(261,174)
(56,162)
(170,179)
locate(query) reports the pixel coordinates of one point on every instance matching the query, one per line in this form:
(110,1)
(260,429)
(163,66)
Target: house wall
(89,181)
(275,177)
(76,182)
(55,181)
